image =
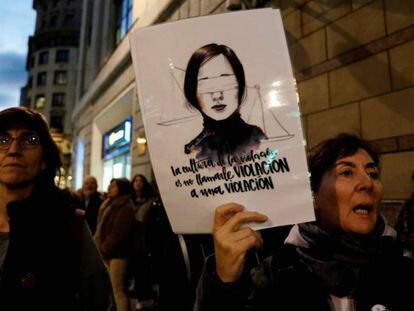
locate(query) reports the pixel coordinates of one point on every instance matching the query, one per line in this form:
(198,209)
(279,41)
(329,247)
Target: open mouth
(363,209)
(13,165)
(219,108)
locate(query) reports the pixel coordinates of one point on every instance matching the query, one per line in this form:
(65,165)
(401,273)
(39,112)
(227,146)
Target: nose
(14,148)
(217,96)
(365,182)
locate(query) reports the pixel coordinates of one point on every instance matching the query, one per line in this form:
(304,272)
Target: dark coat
(283,282)
(115,228)
(91,208)
(43,262)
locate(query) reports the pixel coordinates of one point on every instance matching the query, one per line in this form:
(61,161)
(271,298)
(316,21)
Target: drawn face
(217,89)
(20,164)
(349,195)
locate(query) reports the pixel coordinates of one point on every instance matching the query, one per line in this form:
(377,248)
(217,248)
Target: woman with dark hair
(44,245)
(113,236)
(142,190)
(348,259)
(141,264)
(215,85)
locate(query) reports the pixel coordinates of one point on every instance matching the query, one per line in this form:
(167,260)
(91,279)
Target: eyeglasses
(25,141)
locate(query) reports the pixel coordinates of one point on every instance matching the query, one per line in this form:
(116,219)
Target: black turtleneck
(229,136)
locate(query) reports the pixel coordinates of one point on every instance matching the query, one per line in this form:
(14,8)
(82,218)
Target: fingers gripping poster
(222,120)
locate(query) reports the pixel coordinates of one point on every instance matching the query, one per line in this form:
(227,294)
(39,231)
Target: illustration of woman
(215,85)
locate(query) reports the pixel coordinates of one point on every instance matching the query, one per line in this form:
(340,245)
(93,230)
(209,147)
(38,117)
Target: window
(69,20)
(53,21)
(62,56)
(58,100)
(30,82)
(56,123)
(68,41)
(40,101)
(43,58)
(80,157)
(51,42)
(61,78)
(32,61)
(124,21)
(41,79)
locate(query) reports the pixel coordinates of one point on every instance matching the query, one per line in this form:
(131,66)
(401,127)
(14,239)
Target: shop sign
(117,140)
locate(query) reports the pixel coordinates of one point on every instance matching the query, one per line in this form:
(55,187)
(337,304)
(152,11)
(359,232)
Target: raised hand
(231,241)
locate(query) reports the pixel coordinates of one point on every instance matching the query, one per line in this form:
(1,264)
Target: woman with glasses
(44,246)
(215,85)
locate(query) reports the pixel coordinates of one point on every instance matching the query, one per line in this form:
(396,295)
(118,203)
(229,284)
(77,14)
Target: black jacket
(43,262)
(92,210)
(283,282)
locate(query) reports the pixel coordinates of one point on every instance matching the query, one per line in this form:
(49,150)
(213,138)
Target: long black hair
(147,190)
(124,186)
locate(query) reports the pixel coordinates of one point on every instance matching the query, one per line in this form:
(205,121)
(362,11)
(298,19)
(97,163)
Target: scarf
(340,259)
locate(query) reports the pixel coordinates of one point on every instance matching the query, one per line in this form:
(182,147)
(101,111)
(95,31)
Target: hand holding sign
(231,242)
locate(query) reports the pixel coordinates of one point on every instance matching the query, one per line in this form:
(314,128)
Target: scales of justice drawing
(253,109)
(219,102)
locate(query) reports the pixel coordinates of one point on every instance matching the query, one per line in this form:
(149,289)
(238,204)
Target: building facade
(51,66)
(352,76)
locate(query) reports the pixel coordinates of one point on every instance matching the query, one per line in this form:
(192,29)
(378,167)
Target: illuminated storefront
(116,146)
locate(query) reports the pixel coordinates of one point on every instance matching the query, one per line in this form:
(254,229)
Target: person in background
(348,259)
(143,198)
(405,225)
(47,257)
(113,236)
(91,201)
(143,192)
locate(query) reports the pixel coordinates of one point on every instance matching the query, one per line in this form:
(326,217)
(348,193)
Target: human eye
(347,172)
(4,139)
(373,174)
(32,139)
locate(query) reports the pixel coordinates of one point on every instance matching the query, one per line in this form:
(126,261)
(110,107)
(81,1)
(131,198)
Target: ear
(43,167)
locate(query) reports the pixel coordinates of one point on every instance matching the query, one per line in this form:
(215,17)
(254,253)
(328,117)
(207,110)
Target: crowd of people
(132,233)
(51,259)
(119,220)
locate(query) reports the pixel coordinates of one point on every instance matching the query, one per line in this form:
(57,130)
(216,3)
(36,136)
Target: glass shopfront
(116,152)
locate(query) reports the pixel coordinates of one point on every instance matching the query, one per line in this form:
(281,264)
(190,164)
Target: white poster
(222,119)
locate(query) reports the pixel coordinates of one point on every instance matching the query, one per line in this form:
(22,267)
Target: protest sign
(222,120)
